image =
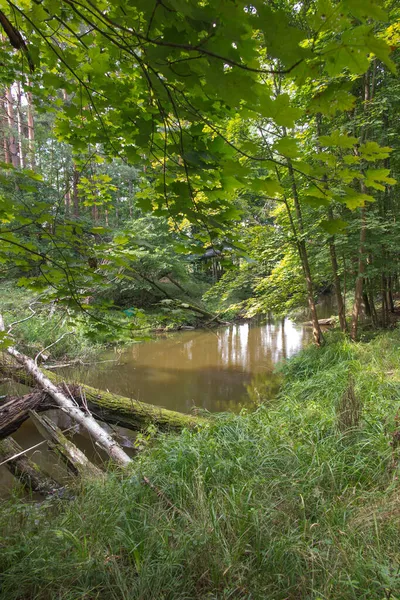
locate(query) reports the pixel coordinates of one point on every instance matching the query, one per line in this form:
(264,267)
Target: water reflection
(216,369)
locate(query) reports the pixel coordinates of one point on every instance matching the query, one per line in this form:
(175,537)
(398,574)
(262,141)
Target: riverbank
(61,335)
(296,500)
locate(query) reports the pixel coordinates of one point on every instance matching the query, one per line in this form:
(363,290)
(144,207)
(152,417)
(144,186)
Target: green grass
(295,501)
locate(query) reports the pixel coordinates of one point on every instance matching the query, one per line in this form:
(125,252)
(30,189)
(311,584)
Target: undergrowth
(298,500)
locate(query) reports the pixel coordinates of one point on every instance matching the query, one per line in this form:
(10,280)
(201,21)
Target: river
(222,369)
(214,369)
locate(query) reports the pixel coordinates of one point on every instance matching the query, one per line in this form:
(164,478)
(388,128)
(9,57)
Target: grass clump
(281,503)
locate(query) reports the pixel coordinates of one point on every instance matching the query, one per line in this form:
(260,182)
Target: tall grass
(279,504)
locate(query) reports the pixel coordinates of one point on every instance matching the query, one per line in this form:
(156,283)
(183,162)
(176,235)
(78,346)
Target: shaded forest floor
(297,500)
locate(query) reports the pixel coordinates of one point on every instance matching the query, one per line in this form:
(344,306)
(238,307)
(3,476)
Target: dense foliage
(262,138)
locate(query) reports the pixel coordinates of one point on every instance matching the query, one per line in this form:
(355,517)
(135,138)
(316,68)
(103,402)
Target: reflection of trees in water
(219,370)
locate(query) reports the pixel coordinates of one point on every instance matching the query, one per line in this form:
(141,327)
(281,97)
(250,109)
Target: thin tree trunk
(384,308)
(332,252)
(363,230)
(75,195)
(358,294)
(336,282)
(12,144)
(20,127)
(390,294)
(31,128)
(7,155)
(318,338)
(374,314)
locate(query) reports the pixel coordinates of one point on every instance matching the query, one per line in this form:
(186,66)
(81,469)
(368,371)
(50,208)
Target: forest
(199,299)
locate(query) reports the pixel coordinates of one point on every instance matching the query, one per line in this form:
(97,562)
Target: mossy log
(25,470)
(75,460)
(107,406)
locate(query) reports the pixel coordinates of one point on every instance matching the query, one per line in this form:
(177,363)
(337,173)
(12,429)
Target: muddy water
(216,369)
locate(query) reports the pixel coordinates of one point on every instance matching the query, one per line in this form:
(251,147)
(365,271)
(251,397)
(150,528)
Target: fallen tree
(105,406)
(76,461)
(69,407)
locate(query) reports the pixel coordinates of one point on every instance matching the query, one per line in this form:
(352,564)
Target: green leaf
(334,226)
(372,151)
(353,199)
(287,147)
(378,179)
(280,110)
(365,9)
(269,186)
(340,140)
(331,100)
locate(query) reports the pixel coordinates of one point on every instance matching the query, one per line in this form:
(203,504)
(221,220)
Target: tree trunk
(31,128)
(366,305)
(385,310)
(318,338)
(20,127)
(24,469)
(358,294)
(104,440)
(390,294)
(14,411)
(7,156)
(332,252)
(12,144)
(76,461)
(336,281)
(75,195)
(363,231)
(374,314)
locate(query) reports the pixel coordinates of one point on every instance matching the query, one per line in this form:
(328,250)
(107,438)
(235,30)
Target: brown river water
(222,369)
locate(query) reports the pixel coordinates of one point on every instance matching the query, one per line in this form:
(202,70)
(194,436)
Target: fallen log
(25,470)
(75,460)
(85,419)
(105,406)
(322,322)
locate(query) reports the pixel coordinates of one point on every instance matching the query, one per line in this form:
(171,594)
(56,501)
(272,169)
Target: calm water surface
(216,369)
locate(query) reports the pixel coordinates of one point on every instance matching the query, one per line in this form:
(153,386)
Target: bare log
(322,322)
(76,461)
(104,439)
(24,469)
